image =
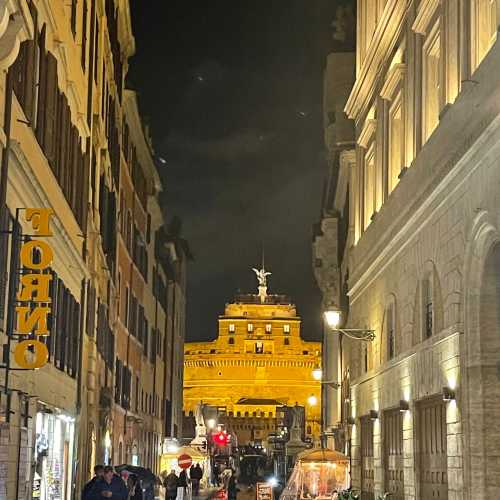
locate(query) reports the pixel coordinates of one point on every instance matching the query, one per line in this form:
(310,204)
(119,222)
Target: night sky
(233,94)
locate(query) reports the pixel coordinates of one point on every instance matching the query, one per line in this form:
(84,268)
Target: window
(369,185)
(231,328)
(268,328)
(286,328)
(428,307)
(84,34)
(259,348)
(286,341)
(391,351)
(231,340)
(431,81)
(250,328)
(126,308)
(365,358)
(395,159)
(484,29)
(74,4)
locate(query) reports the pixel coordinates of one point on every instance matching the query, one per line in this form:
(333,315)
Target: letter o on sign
(41,354)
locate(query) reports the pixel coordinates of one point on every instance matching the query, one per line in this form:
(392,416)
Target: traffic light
(221,438)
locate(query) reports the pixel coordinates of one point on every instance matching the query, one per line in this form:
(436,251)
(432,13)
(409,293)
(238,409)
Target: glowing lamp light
(211,423)
(332,318)
(317,373)
(221,438)
(312,400)
(272,481)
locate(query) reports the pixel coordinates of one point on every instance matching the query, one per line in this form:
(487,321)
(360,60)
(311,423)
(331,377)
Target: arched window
(231,340)
(428,305)
(389,350)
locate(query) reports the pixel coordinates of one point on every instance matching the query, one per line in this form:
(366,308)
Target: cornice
(425,13)
(383,41)
(394,78)
(367,132)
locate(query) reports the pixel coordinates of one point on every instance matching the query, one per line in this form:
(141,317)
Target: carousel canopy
(321,455)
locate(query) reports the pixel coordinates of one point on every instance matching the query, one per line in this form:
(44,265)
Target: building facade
(418,405)
(257,364)
(73,142)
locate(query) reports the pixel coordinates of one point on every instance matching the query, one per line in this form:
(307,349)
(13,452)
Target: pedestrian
(134,487)
(196,474)
(183,480)
(171,484)
(232,487)
(110,486)
(98,473)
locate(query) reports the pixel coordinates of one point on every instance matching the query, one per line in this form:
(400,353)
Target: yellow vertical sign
(36,256)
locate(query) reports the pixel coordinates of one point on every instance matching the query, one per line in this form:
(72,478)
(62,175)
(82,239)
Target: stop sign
(184,461)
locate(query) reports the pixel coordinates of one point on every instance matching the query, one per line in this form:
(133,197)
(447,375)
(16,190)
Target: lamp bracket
(358,333)
(331,383)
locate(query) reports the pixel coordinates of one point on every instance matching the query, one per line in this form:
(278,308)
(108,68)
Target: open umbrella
(145,475)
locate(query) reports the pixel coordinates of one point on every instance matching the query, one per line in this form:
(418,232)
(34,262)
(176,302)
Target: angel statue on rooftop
(262,275)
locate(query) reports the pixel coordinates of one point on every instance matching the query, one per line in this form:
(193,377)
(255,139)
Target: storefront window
(53,476)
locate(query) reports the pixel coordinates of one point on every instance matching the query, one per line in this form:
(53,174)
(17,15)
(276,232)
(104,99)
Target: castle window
(286,328)
(231,328)
(238,414)
(250,328)
(259,348)
(231,340)
(286,341)
(246,414)
(268,328)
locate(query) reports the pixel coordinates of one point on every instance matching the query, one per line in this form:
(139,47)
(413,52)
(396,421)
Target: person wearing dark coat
(98,473)
(111,486)
(232,488)
(171,484)
(196,474)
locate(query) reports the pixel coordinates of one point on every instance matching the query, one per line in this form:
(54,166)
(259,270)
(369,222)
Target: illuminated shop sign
(33,298)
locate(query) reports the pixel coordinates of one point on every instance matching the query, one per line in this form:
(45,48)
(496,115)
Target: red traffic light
(221,438)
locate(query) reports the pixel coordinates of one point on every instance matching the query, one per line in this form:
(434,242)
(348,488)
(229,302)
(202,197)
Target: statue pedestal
(201,436)
(295,445)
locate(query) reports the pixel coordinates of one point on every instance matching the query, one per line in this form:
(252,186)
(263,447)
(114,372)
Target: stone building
(418,406)
(257,364)
(73,142)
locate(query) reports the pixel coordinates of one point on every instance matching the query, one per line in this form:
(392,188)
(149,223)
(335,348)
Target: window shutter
(29,84)
(50,109)
(42,86)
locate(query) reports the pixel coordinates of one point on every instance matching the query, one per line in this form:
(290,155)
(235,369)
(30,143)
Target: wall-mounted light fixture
(403,406)
(374,414)
(333,318)
(448,394)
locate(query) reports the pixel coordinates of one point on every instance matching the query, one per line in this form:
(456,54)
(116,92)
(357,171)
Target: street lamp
(312,400)
(211,423)
(333,318)
(317,374)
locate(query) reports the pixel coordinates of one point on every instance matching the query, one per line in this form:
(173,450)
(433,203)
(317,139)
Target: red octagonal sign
(185,461)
